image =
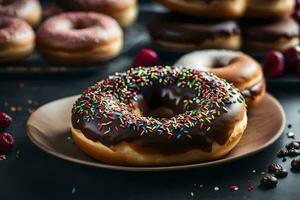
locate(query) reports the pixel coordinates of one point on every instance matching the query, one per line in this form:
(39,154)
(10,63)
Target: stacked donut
(238,24)
(89,32)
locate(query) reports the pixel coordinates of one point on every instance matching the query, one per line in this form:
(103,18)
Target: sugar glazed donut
(265,34)
(124,11)
(182,32)
(235,67)
(16,39)
(79,38)
(28,10)
(231,9)
(159,116)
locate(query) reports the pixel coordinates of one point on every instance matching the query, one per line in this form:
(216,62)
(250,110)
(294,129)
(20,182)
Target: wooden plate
(49,129)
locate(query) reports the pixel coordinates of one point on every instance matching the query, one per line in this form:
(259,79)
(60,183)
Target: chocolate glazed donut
(181,32)
(16,39)
(79,38)
(28,10)
(154,116)
(124,11)
(235,67)
(265,34)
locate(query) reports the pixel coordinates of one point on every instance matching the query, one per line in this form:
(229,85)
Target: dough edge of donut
(123,154)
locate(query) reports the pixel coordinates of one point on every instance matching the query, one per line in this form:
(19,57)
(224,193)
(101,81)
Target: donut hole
(218,63)
(83,24)
(164,102)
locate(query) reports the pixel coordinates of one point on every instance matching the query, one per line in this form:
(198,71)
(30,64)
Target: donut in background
(234,66)
(79,38)
(28,10)
(16,39)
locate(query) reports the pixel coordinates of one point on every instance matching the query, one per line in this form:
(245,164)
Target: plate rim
(155,168)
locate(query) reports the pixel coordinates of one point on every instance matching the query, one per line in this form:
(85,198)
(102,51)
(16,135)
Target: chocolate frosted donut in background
(182,32)
(28,10)
(229,9)
(266,34)
(79,38)
(16,39)
(124,11)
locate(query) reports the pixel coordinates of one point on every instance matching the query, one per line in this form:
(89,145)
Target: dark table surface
(29,173)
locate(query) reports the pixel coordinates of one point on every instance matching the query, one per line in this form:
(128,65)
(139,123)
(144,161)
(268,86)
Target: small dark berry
(6,142)
(5,121)
(268,182)
(296,164)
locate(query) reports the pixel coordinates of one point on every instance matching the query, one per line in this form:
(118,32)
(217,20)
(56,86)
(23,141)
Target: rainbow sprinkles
(111,103)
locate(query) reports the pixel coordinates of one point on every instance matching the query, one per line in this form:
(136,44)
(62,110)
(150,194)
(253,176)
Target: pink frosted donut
(28,10)
(16,39)
(79,38)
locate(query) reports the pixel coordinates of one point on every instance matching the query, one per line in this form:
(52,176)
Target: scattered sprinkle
(18,154)
(73,190)
(291,135)
(216,188)
(21,84)
(250,188)
(2,157)
(234,188)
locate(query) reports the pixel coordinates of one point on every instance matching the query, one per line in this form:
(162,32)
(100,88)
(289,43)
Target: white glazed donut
(234,66)
(205,60)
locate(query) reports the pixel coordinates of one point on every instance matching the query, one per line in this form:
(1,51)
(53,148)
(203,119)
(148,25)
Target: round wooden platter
(49,129)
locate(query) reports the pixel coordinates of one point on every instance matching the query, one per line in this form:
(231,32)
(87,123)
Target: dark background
(29,173)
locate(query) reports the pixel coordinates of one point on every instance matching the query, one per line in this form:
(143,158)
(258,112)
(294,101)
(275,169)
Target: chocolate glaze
(172,98)
(269,30)
(179,28)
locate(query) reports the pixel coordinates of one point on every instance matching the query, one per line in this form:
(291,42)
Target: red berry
(296,16)
(291,57)
(5,121)
(274,63)
(6,142)
(146,57)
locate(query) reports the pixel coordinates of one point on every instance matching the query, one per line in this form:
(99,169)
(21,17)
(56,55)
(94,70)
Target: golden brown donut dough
(124,154)
(269,8)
